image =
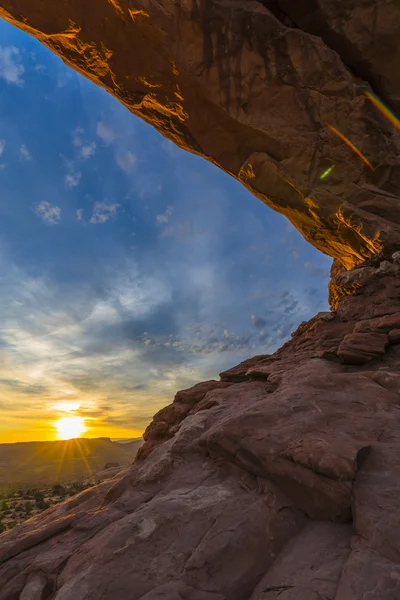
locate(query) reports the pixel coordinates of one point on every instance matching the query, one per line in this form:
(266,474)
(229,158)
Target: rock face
(282,480)
(254,86)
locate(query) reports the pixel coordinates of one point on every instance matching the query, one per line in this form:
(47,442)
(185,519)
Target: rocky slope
(253,85)
(282,480)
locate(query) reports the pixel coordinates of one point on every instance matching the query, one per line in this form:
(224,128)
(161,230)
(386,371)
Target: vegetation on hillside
(18,505)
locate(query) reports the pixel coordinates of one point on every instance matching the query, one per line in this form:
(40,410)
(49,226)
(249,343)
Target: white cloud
(105,133)
(126,161)
(39,68)
(71,180)
(102,212)
(24,153)
(50,214)
(11,69)
(164,217)
(79,214)
(182,232)
(2,146)
(63,77)
(77,137)
(137,293)
(88,150)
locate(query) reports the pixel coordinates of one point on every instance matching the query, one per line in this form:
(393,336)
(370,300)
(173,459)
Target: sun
(70,427)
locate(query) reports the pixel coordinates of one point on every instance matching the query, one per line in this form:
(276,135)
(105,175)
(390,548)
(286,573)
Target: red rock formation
(281,481)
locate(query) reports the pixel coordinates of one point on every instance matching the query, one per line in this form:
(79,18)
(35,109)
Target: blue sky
(129,268)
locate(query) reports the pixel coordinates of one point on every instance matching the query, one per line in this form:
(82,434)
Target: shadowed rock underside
(281,481)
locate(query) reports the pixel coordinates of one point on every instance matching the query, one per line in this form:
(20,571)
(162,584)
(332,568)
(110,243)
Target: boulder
(360,348)
(240,372)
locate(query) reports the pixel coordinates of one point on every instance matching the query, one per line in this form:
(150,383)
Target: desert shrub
(38,497)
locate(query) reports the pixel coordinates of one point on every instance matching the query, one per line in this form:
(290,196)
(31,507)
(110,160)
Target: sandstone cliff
(281,480)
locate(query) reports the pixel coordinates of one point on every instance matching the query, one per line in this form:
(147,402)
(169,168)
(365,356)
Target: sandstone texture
(280,482)
(254,86)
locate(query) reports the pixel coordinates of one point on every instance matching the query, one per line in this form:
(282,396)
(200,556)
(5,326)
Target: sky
(129,268)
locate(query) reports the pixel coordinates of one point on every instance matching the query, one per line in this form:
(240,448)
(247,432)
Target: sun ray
(62,458)
(36,454)
(351,146)
(89,470)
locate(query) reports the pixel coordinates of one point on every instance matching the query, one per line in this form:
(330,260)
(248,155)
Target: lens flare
(385,110)
(351,146)
(327,172)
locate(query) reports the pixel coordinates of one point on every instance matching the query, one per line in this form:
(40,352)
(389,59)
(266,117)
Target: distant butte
(282,480)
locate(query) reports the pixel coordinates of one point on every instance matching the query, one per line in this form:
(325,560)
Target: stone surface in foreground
(280,483)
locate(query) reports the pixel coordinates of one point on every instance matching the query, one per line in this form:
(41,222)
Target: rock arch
(252,86)
(282,480)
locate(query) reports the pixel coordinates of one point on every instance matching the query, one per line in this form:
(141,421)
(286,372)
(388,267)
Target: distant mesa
(42,463)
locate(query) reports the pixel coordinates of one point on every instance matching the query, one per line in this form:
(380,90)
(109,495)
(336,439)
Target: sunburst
(70,427)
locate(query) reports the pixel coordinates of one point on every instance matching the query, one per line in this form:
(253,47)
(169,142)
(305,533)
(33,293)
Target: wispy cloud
(77,137)
(79,214)
(86,148)
(182,232)
(72,179)
(50,213)
(24,153)
(258,322)
(126,161)
(50,353)
(102,212)
(316,270)
(39,68)
(164,217)
(105,133)
(11,67)
(2,146)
